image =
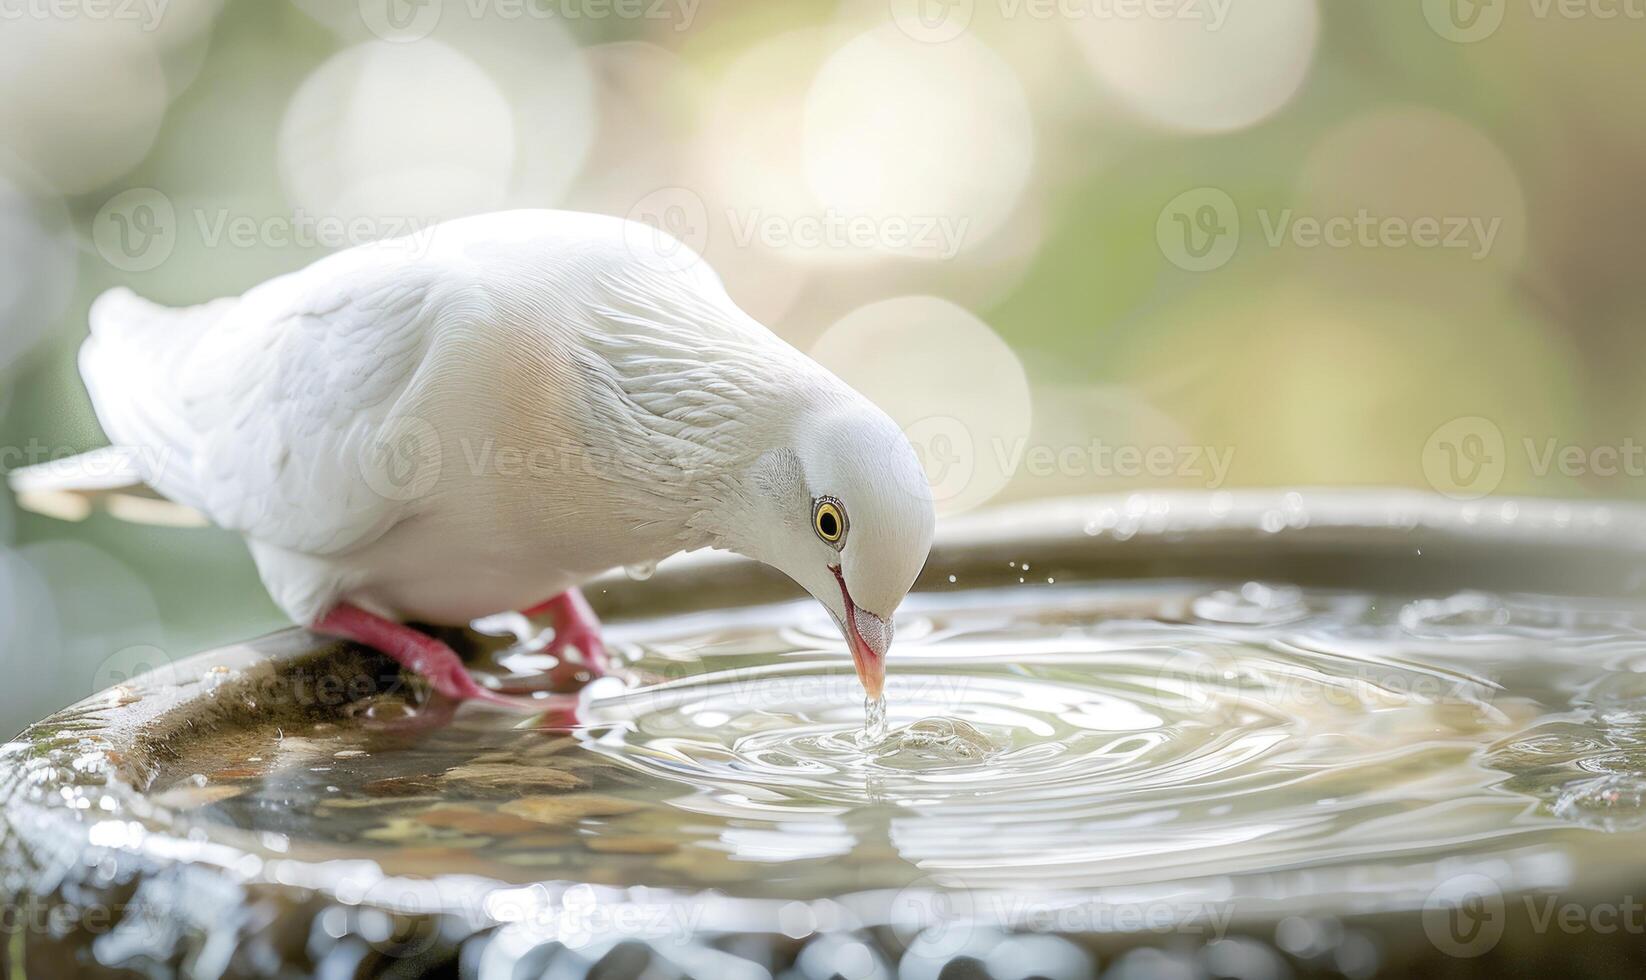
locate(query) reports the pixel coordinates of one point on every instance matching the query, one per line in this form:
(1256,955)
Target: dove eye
(829,520)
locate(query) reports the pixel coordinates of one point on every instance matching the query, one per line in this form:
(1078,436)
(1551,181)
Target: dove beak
(868,636)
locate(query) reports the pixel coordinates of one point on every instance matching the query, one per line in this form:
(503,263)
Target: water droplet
(941,741)
(1609,803)
(216,678)
(642,571)
(1255,604)
(1463,613)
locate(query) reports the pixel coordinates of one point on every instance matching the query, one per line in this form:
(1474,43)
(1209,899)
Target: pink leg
(575,625)
(421,654)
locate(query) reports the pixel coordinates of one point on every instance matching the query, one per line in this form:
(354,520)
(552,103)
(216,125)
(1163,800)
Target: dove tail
(119,311)
(129,366)
(114,478)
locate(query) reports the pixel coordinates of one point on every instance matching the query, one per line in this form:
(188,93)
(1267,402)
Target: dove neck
(708,456)
(749,502)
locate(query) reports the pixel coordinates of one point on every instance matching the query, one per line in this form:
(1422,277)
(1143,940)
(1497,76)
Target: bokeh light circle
(1201,67)
(898,132)
(28,619)
(84,99)
(748,161)
(1416,163)
(1438,209)
(397,130)
(959,392)
(99,605)
(527,55)
(648,100)
(37,248)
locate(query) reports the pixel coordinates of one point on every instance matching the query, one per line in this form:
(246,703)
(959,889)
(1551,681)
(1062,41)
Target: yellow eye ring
(829,520)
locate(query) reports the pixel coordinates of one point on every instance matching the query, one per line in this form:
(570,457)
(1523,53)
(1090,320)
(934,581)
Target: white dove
(490,412)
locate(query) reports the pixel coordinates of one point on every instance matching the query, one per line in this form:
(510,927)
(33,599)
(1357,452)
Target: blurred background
(1073,245)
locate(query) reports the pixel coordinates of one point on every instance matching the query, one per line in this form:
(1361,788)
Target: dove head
(844,509)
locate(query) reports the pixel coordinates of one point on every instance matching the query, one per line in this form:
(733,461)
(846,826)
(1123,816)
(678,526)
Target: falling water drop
(642,571)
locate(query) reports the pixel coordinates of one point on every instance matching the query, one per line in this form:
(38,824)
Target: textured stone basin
(117,861)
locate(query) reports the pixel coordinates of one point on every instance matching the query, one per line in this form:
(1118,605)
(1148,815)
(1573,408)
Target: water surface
(1048,736)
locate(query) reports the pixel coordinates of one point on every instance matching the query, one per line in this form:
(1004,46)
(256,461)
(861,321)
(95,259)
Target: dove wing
(278,417)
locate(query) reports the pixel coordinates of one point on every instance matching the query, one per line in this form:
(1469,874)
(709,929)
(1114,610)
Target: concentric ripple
(1258,727)
(1047,718)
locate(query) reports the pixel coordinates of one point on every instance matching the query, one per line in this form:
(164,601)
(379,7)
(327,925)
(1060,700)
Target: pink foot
(423,655)
(575,627)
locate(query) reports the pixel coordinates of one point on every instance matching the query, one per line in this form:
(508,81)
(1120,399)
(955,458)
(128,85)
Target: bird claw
(580,647)
(454,681)
(423,655)
(577,644)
